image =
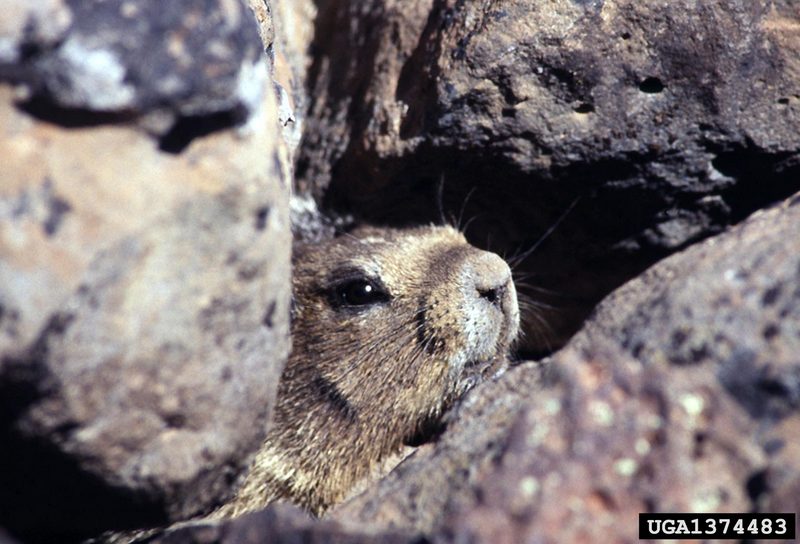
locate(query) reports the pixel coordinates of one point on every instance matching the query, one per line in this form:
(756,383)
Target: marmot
(389,327)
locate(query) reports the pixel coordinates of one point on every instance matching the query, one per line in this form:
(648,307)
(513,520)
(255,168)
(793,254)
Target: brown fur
(363,379)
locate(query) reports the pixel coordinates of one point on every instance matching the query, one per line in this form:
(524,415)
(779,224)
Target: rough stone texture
(286,30)
(143,294)
(42,23)
(733,300)
(615,438)
(732,303)
(263,14)
(279,524)
(681,394)
(172,67)
(667,120)
(295,28)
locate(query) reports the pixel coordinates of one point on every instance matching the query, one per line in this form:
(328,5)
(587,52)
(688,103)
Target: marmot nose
(493,294)
(492,277)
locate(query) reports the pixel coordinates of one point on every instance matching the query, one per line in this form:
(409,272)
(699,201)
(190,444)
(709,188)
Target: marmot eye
(360,292)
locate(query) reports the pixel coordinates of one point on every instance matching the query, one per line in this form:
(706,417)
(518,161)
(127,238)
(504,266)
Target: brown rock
(667,123)
(615,438)
(143,303)
(294,22)
(263,16)
(286,29)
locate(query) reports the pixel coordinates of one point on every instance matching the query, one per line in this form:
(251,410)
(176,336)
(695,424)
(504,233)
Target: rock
(144,253)
(615,438)
(732,301)
(263,14)
(167,66)
(295,31)
(680,395)
(732,304)
(144,287)
(286,30)
(38,24)
(279,524)
(660,123)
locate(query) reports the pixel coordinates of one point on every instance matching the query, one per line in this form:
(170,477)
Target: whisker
(469,222)
(516,260)
(463,207)
(525,286)
(440,200)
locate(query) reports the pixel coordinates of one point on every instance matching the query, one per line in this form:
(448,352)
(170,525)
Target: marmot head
(388,328)
(399,322)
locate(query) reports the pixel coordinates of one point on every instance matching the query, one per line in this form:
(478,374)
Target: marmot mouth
(483,365)
(473,373)
(476,363)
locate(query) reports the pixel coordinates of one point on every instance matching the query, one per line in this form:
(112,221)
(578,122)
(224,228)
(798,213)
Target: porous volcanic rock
(613,439)
(680,395)
(655,123)
(144,276)
(731,304)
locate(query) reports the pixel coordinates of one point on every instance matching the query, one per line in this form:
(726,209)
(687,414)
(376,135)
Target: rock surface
(681,394)
(279,524)
(667,121)
(178,69)
(286,29)
(144,275)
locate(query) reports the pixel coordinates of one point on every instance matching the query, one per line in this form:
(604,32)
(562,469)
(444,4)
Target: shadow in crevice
(182,133)
(44,110)
(187,129)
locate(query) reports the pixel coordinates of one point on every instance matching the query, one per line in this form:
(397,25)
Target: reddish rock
(613,439)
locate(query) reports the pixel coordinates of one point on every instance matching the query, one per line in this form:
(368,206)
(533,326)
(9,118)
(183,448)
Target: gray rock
(27,24)
(667,123)
(199,61)
(144,296)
